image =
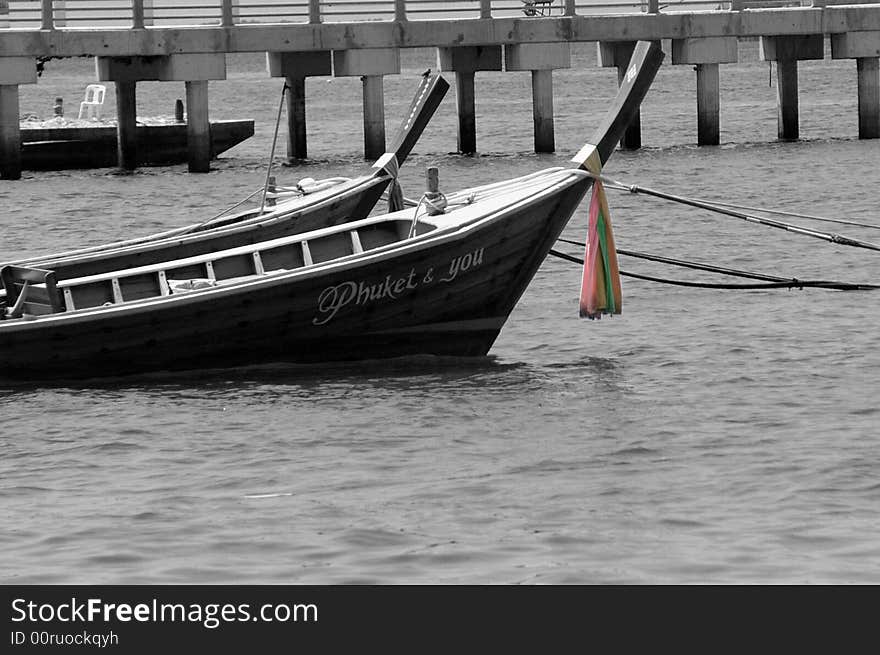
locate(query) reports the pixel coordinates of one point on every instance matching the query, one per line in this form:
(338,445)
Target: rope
(789,227)
(693,265)
(772,282)
(272,152)
(777,212)
(391,166)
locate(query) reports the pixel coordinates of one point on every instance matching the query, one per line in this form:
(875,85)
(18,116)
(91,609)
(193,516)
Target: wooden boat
(305,208)
(397,284)
(61,148)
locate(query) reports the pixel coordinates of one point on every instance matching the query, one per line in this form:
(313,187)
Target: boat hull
(49,149)
(449,298)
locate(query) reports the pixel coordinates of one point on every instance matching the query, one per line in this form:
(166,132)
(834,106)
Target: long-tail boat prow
(299,209)
(439,280)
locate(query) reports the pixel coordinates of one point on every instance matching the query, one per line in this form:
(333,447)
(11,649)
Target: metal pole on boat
(274,141)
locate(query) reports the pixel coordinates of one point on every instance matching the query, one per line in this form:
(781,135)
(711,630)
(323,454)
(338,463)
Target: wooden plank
(356,242)
(117,290)
(163,283)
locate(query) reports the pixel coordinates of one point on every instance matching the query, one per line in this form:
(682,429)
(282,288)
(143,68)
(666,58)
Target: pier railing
(92,14)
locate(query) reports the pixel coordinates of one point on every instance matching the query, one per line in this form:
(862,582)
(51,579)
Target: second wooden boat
(62,148)
(294,210)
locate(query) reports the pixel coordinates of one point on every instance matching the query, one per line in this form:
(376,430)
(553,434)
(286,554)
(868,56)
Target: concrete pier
(617,54)
(374,116)
(10,134)
(706,54)
(786,51)
(198,126)
(371,66)
(295,98)
(193,69)
(868,71)
(143,43)
(465,62)
(542,110)
(13,71)
(126,125)
(864,47)
(541,59)
(295,67)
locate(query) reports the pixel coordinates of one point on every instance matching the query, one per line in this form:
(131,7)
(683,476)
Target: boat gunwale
(405,246)
(180,236)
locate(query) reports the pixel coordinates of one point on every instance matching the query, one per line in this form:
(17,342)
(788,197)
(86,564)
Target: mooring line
(779,212)
(771,281)
(694,265)
(701,204)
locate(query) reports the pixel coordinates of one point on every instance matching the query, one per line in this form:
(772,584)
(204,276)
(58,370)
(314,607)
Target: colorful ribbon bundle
(600,285)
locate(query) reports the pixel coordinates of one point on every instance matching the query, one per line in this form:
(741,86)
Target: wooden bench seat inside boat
(30,291)
(230,266)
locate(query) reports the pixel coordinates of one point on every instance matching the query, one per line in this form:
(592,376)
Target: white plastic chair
(94,100)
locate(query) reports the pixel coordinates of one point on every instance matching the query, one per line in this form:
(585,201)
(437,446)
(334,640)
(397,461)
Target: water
(702,436)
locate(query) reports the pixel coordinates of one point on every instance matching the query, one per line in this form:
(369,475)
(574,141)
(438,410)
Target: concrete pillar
(864,47)
(126,125)
(786,51)
(541,59)
(194,69)
(370,65)
(295,67)
(869,97)
(198,127)
(465,61)
(542,110)
(374,116)
(296,118)
(10,133)
(617,54)
(13,71)
(787,118)
(705,54)
(466,107)
(708,105)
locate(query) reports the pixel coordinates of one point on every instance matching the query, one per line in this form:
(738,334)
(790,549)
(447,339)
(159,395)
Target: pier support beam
(617,54)
(370,65)
(868,70)
(10,133)
(786,51)
(126,125)
(374,116)
(198,127)
(295,67)
(193,69)
(706,54)
(13,71)
(465,61)
(541,59)
(864,47)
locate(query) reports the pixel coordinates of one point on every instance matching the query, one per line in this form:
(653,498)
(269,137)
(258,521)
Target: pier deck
(137,40)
